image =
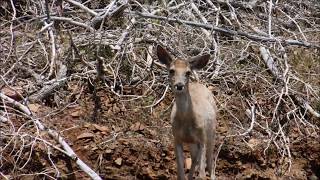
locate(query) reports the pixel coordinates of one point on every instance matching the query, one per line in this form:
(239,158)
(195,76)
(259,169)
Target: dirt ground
(135,143)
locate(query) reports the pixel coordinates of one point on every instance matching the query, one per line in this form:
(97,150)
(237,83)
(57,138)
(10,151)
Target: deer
(193,115)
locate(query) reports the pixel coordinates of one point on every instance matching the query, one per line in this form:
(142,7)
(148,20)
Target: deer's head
(180,70)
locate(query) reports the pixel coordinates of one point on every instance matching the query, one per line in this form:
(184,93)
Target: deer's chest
(187,132)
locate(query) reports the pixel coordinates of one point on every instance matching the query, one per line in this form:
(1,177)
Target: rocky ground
(130,142)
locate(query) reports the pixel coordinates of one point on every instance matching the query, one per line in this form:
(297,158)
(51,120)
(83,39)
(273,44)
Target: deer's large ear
(199,62)
(163,56)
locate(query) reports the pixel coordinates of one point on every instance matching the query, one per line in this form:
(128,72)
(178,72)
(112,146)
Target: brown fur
(193,114)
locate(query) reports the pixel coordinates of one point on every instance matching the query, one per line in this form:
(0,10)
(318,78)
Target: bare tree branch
(229,31)
(54,135)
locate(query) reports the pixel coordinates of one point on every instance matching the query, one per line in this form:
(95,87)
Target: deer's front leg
(195,156)
(179,159)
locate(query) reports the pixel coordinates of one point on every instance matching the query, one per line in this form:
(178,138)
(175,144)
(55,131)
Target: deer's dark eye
(188,73)
(171,71)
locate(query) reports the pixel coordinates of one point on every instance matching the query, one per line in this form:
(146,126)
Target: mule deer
(193,114)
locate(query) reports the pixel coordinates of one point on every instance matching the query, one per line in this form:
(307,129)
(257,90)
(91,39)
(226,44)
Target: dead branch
(229,31)
(245,5)
(102,16)
(52,39)
(124,35)
(71,21)
(252,114)
(83,7)
(267,58)
(55,136)
(49,89)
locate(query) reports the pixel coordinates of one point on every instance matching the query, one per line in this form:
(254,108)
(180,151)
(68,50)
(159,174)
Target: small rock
(112,146)
(123,109)
(13,92)
(87,125)
(118,161)
(34,107)
(188,163)
(75,113)
(150,172)
(137,127)
(152,132)
(108,151)
(253,143)
(101,128)
(116,109)
(85,135)
(239,163)
(313,177)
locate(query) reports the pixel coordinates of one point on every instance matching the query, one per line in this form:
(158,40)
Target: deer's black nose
(179,86)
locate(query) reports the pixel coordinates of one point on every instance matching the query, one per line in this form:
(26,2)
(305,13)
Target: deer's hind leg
(202,166)
(210,153)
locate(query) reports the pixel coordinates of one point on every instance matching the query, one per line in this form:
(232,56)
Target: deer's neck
(183,103)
